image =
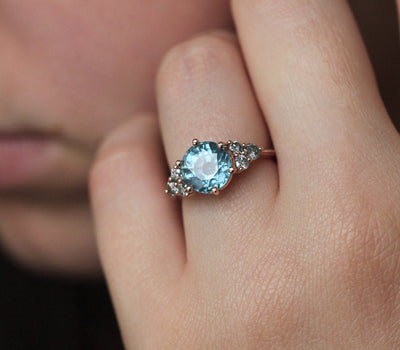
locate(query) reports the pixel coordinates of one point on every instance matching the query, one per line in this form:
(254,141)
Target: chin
(50,238)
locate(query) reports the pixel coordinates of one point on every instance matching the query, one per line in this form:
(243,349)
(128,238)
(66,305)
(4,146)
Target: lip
(24,157)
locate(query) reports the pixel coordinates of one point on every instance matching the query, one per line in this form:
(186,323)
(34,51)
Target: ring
(208,167)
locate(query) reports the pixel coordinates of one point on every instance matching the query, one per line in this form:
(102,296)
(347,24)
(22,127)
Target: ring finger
(204,92)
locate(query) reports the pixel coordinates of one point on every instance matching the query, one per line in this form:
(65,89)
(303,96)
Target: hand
(302,253)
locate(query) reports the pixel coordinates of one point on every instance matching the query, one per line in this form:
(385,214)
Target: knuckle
(197,58)
(274,297)
(361,248)
(373,265)
(368,258)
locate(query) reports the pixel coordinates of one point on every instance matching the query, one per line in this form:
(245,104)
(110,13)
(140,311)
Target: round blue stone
(206,166)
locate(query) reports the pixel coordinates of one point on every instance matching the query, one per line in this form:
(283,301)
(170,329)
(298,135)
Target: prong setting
(215,191)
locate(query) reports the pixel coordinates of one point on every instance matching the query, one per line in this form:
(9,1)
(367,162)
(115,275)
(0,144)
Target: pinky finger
(138,228)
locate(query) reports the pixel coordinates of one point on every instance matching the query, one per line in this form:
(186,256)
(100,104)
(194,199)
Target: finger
(138,229)
(204,93)
(314,82)
(398,7)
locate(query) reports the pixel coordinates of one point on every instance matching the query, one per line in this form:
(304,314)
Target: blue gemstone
(206,166)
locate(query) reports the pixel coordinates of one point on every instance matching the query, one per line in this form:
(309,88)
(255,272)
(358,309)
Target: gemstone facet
(206,166)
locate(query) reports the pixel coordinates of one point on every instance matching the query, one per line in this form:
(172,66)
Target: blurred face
(71,71)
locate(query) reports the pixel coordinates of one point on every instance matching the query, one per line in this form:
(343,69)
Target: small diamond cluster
(176,186)
(243,154)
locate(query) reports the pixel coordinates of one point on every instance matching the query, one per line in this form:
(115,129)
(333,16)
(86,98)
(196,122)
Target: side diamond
(183,190)
(253,151)
(242,162)
(176,174)
(236,148)
(172,188)
(176,188)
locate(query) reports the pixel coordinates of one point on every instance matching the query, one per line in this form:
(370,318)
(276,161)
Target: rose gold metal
(268,153)
(195,142)
(215,191)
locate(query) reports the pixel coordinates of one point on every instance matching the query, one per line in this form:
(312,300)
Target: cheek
(81,60)
(78,62)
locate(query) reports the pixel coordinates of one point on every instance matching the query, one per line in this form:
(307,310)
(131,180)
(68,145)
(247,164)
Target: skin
(317,266)
(301,253)
(77,88)
(74,70)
